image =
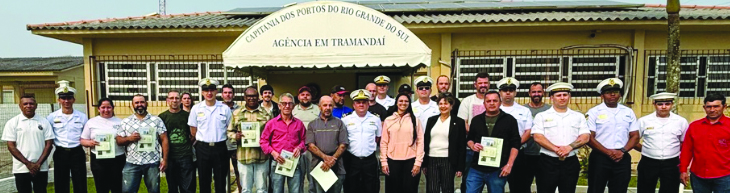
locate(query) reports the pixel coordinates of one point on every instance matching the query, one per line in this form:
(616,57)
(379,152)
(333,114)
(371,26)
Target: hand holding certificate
(149,139)
(289,165)
(106,148)
(325,179)
(491,154)
(250,134)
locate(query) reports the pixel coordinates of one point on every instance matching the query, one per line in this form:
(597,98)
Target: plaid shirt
(132,125)
(248,155)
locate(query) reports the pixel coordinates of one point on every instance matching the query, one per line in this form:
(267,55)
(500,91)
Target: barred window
(120,80)
(582,69)
(689,81)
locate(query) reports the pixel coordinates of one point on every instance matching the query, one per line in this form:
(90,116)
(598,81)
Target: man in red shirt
(707,147)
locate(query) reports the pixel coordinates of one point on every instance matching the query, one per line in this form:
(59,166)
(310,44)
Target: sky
(16,41)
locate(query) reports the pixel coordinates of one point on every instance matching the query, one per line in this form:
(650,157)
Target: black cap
(405,88)
(265,88)
(339,89)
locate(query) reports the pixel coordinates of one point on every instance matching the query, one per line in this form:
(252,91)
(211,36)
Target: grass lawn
(584,182)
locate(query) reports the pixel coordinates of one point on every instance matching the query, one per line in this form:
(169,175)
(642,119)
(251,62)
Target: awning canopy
(327,35)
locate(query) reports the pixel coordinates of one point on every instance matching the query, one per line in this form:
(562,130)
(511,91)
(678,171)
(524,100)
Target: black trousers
(602,171)
(523,172)
(362,174)
(653,170)
(440,175)
(557,174)
(181,175)
(212,165)
(108,173)
(26,183)
(69,161)
(400,179)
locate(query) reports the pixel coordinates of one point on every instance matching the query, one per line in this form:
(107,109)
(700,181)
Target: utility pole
(673,55)
(162,7)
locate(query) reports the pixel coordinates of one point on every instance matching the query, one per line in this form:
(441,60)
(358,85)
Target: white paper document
(325,179)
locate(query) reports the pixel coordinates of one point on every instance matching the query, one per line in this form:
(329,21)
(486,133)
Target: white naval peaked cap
(382,79)
(424,81)
(560,86)
(508,82)
(609,84)
(360,94)
(208,83)
(663,97)
(64,89)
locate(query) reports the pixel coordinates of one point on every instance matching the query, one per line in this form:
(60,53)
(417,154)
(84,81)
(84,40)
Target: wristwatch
(623,150)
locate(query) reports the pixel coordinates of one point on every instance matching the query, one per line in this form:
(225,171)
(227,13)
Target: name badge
(201,114)
(602,116)
(57,120)
(650,128)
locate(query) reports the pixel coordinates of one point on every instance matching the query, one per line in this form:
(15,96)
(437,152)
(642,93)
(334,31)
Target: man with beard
(327,140)
(443,85)
(228,95)
(424,107)
(470,107)
(29,137)
(508,91)
(140,163)
(382,97)
(267,93)
(375,108)
(253,162)
(560,131)
(338,95)
(663,133)
(180,168)
(306,112)
(363,133)
(536,105)
(69,156)
(614,132)
(208,122)
(527,160)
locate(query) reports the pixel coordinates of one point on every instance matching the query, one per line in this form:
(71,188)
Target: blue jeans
(476,180)
(709,185)
(254,175)
(132,174)
(295,183)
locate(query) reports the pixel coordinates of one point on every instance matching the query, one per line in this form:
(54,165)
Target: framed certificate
(106,148)
(148,141)
(250,134)
(491,154)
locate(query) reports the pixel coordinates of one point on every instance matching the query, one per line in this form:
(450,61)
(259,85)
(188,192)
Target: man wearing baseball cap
(338,96)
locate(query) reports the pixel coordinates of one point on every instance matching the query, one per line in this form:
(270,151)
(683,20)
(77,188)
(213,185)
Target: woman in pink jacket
(401,149)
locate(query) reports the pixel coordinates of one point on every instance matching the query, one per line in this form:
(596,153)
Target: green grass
(583,181)
(91,187)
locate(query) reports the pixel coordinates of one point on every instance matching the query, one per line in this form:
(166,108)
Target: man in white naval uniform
(424,107)
(662,134)
(508,91)
(382,98)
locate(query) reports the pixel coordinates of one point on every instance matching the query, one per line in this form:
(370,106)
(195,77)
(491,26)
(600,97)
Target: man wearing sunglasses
(424,107)
(663,133)
(614,132)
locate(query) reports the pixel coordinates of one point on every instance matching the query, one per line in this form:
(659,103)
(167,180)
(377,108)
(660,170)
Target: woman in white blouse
(107,159)
(445,148)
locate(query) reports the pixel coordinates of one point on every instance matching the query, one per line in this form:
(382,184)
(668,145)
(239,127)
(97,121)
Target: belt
(66,149)
(213,143)
(366,157)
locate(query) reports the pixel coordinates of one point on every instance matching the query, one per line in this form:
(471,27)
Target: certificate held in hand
(491,153)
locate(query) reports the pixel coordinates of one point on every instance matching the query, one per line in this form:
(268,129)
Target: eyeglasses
(287,104)
(424,88)
(253,95)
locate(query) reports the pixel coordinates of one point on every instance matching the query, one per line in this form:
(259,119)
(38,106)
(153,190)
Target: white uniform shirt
(101,125)
(30,137)
(662,139)
(470,107)
(362,131)
(560,129)
(211,124)
(67,130)
(386,102)
(612,127)
(522,114)
(423,112)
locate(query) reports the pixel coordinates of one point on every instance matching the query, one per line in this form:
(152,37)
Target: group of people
(486,139)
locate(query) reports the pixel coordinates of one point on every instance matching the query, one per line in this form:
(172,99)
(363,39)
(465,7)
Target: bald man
(375,108)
